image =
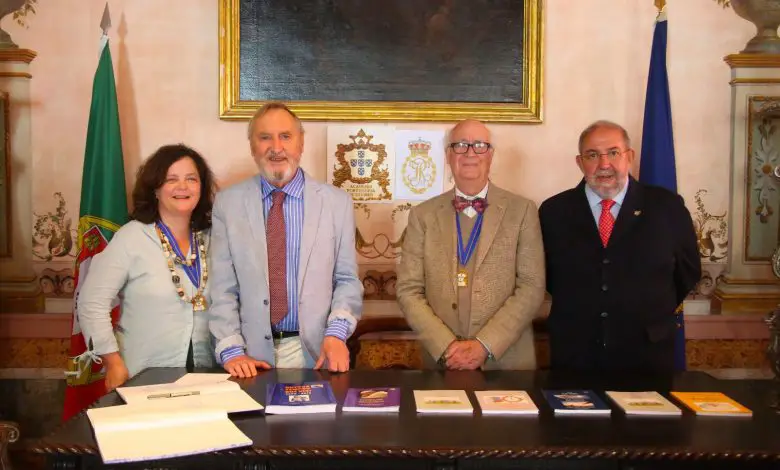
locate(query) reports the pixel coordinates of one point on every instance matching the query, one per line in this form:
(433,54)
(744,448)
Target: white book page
(196,379)
(211,431)
(224,396)
(154,415)
(143,393)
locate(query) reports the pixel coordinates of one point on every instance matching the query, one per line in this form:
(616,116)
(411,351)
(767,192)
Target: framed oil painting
(5,178)
(389,60)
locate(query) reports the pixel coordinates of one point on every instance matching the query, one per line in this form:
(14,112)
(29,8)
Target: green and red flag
(103,210)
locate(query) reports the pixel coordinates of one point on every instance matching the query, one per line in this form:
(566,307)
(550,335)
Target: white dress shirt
(470,211)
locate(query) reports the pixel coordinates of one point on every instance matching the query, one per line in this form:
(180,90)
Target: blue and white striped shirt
(293,220)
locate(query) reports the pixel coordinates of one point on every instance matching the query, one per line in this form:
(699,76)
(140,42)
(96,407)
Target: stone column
(749,286)
(19,289)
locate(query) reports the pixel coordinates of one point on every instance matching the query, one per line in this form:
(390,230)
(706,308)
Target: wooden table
(410,441)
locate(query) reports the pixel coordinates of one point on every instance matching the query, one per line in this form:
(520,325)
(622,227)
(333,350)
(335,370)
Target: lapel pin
(637,212)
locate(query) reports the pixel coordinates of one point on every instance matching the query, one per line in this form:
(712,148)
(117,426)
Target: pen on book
(172,395)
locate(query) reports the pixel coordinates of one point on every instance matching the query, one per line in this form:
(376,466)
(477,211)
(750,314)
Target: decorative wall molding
(711,231)
(53,236)
(379,285)
(57,283)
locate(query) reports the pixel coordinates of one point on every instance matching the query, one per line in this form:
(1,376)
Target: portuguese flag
(103,210)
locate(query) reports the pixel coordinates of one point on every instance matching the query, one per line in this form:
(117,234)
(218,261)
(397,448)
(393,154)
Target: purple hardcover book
(377,399)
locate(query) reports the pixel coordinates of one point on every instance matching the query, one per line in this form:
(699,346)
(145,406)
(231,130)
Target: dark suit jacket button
(605,287)
(454,306)
(604,314)
(265,301)
(267,336)
(605,261)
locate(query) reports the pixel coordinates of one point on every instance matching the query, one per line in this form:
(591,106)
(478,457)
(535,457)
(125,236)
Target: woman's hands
(116,371)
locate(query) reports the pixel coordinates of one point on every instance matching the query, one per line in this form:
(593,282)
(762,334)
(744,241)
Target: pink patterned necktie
(277,258)
(606,221)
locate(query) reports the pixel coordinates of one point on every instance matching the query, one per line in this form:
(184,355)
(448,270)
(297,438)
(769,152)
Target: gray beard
(277,177)
(610,193)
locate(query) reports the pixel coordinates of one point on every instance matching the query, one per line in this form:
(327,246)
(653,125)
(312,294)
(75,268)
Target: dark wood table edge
(576,453)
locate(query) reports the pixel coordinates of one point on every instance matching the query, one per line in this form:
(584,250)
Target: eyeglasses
(478,146)
(612,154)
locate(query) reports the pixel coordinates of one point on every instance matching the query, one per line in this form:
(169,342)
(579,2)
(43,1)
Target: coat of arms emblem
(361,170)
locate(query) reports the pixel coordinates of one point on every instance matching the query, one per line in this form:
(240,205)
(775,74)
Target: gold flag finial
(660,4)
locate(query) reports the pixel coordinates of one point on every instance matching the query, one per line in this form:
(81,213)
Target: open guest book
(186,417)
(223,394)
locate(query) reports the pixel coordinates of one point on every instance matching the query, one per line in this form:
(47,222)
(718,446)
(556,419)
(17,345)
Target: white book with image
(442,401)
(506,402)
(644,403)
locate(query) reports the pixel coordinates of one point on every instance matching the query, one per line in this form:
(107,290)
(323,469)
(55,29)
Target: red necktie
(606,221)
(276,236)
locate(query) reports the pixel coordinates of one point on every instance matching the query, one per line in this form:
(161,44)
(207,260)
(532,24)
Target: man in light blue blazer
(284,286)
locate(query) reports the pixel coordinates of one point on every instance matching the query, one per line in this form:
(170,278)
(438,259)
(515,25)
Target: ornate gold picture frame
(504,86)
(5,178)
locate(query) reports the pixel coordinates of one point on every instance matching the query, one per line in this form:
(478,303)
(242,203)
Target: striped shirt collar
(293,188)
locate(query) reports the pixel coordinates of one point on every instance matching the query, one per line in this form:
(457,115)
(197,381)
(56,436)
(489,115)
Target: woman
(157,264)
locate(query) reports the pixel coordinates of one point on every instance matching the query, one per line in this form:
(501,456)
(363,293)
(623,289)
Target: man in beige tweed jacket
(475,314)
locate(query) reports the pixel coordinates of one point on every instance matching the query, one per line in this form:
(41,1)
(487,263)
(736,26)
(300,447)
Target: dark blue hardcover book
(307,397)
(576,402)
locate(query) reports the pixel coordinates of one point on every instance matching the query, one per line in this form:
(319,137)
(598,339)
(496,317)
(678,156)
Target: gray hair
(271,106)
(603,124)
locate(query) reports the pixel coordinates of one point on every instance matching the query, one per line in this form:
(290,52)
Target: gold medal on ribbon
(199,303)
(465,252)
(463,278)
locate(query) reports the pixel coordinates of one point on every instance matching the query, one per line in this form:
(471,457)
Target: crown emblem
(419,169)
(419,145)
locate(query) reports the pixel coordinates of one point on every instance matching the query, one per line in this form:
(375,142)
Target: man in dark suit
(621,256)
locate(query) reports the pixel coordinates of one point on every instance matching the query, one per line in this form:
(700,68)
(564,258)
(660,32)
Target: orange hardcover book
(711,404)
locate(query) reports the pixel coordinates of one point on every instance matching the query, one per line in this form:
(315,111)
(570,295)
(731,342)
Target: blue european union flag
(657,165)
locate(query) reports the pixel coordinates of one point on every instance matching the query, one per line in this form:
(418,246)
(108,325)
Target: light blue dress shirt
(293,224)
(594,201)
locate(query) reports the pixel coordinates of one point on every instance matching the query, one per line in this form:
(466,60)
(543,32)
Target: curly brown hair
(151,176)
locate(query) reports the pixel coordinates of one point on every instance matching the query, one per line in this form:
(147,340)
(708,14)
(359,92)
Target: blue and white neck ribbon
(464,253)
(193,270)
